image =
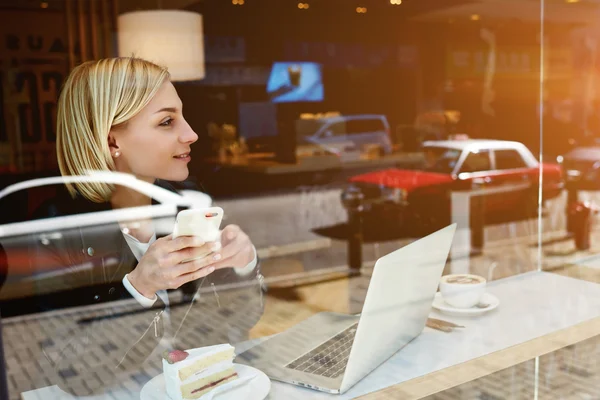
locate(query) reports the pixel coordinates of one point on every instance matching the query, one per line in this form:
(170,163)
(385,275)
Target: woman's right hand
(161,266)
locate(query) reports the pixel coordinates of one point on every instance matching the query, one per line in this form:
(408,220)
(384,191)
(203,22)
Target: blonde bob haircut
(96,97)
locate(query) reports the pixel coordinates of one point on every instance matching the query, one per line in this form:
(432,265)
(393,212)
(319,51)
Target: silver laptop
(331,352)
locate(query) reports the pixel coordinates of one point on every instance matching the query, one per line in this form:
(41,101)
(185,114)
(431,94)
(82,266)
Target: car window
(509,159)
(357,126)
(336,128)
(477,161)
(24,203)
(41,202)
(440,159)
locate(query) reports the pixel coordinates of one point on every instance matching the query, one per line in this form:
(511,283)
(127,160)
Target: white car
(19,227)
(506,172)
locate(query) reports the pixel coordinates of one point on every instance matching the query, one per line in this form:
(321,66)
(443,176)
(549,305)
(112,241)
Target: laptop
(331,352)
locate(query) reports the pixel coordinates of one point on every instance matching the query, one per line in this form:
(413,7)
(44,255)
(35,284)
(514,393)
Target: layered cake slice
(192,373)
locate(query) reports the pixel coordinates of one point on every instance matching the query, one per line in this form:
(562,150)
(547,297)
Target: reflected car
(343,135)
(581,168)
(21,229)
(505,173)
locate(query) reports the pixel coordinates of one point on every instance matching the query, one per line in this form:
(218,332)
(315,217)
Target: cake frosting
(202,370)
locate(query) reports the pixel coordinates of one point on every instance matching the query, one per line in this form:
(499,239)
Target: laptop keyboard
(330,358)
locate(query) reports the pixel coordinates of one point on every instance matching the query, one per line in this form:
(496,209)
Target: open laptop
(331,352)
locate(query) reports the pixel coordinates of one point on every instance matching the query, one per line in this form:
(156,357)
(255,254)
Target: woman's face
(155,144)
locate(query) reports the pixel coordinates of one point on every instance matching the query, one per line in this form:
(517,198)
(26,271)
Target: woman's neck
(124,197)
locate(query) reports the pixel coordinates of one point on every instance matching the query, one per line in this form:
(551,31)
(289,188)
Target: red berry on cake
(175,356)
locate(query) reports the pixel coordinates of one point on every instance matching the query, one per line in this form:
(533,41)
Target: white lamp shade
(171,38)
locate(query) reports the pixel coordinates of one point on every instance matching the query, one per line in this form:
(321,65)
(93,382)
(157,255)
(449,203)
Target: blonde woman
(124,115)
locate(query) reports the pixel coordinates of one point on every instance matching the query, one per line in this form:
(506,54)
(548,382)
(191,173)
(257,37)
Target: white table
(531,305)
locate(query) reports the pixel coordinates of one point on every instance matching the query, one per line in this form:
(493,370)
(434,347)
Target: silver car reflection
(23,276)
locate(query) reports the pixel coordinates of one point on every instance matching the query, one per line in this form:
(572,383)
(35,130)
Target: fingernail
(199,242)
(216,246)
(217,257)
(211,269)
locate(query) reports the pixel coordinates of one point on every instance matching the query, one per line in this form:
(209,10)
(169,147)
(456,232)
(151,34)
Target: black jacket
(96,259)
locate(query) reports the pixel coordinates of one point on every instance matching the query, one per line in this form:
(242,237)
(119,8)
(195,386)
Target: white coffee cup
(462,290)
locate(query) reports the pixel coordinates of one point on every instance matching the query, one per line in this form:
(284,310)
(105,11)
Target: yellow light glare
(475,17)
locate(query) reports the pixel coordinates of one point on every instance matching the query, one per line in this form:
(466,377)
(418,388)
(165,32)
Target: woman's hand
(161,266)
(237,250)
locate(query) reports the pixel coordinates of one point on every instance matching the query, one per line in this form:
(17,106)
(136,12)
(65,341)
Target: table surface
(564,306)
(548,309)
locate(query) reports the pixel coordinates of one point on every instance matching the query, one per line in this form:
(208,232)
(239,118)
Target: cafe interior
(403,194)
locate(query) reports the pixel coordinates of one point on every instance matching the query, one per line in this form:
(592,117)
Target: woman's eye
(166,122)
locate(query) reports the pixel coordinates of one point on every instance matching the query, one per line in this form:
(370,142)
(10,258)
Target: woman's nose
(188,135)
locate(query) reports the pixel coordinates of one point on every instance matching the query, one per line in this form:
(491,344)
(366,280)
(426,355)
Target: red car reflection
(423,196)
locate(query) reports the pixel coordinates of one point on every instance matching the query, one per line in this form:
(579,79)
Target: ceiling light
(475,17)
(572,1)
(237,2)
(150,34)
(396,2)
(44,4)
(361,10)
(303,6)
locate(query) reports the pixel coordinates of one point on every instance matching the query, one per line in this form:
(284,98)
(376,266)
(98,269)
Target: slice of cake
(192,373)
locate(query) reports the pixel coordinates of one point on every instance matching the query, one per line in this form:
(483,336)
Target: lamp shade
(171,38)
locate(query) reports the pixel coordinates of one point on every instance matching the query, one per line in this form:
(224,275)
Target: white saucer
(256,389)
(487,298)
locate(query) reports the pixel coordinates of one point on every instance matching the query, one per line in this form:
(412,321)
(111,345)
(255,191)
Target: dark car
(581,167)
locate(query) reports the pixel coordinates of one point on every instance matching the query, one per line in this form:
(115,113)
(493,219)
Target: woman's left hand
(236,249)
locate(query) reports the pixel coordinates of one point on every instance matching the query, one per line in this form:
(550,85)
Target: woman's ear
(112,143)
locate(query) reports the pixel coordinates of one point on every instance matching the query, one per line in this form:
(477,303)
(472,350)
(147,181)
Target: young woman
(124,115)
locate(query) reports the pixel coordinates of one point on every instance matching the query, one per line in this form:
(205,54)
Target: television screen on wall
(295,82)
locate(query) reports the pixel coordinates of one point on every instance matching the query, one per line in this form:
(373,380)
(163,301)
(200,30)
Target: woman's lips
(183,157)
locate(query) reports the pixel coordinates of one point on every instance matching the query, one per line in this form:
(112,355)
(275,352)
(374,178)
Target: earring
(117,154)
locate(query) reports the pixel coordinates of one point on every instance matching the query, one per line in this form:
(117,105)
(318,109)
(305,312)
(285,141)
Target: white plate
(256,389)
(487,298)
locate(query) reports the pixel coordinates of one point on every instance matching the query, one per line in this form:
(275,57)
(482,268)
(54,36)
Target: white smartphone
(201,222)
